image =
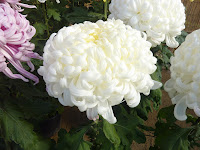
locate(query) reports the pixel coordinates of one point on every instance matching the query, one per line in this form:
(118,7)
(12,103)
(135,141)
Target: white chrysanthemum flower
(183,87)
(42,1)
(162,20)
(95,65)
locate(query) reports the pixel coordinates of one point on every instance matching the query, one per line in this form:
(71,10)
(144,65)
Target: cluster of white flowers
(43,1)
(160,19)
(94,66)
(184,85)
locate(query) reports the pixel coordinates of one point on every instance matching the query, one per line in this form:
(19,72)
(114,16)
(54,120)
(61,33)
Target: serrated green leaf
(143,108)
(40,28)
(168,114)
(157,75)
(127,128)
(53,13)
(181,38)
(97,15)
(18,130)
(173,139)
(156,96)
(36,108)
(128,131)
(73,140)
(79,15)
(110,133)
(102,143)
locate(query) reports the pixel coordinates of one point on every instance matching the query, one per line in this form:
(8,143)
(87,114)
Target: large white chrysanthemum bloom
(162,20)
(184,85)
(95,65)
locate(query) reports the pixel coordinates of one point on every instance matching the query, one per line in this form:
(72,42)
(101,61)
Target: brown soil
(192,15)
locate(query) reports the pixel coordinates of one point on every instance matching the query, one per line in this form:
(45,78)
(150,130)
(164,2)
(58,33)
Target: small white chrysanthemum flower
(162,20)
(183,87)
(95,65)
(43,1)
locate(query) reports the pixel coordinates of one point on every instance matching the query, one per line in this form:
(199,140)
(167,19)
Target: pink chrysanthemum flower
(15,45)
(15,4)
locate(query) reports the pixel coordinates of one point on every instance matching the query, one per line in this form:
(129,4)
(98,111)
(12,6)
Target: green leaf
(79,15)
(168,114)
(119,136)
(40,28)
(53,13)
(102,143)
(127,129)
(33,100)
(156,97)
(36,108)
(18,130)
(167,51)
(173,139)
(143,108)
(181,38)
(169,136)
(157,75)
(73,140)
(97,15)
(110,133)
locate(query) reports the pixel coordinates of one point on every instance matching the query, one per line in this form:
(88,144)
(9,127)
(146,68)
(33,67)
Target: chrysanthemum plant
(108,69)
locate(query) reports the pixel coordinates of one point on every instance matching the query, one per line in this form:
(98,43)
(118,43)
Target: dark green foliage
(2,144)
(40,28)
(181,38)
(110,133)
(79,15)
(170,136)
(73,140)
(119,135)
(163,54)
(53,13)
(14,128)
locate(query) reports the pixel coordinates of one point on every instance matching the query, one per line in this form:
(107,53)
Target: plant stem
(73,4)
(46,19)
(105,9)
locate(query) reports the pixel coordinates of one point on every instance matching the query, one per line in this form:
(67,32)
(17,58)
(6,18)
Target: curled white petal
(156,85)
(180,110)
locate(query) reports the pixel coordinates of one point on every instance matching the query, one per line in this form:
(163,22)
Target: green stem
(73,4)
(105,9)
(46,18)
